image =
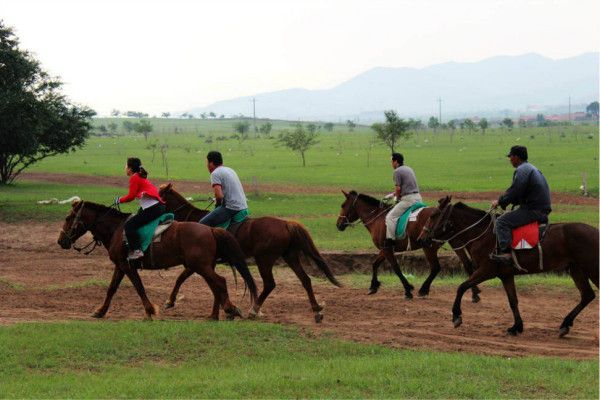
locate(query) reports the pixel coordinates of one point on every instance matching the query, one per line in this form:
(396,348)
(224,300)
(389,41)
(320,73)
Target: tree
(212,114)
(102,129)
(312,128)
(469,125)
(351,125)
(242,128)
(328,126)
(112,127)
(128,126)
(392,130)
(165,114)
(483,124)
(136,114)
(144,127)
(203,115)
(508,123)
(222,116)
(541,120)
(433,123)
(265,129)
(592,108)
(299,140)
(36,119)
(115,113)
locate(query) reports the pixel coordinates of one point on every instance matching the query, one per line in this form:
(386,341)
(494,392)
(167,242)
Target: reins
(95,242)
(360,220)
(468,228)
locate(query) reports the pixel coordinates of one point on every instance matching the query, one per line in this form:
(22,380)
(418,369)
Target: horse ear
(345,194)
(75,203)
(166,186)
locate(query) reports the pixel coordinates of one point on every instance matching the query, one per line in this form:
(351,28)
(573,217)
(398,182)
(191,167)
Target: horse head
(348,213)
(74,226)
(437,224)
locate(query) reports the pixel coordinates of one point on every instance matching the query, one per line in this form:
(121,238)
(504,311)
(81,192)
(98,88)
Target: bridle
(445,219)
(76,222)
(359,220)
(185,203)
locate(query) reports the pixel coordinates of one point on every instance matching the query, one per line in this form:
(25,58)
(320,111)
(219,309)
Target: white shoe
(134,255)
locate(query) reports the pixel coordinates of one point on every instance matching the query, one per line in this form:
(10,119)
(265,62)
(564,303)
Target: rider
(151,205)
(229,193)
(406,193)
(530,191)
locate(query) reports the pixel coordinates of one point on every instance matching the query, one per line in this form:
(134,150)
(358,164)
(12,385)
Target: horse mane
(462,206)
(372,201)
(169,188)
(99,208)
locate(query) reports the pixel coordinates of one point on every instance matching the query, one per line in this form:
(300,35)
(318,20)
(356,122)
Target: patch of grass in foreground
(224,360)
(390,280)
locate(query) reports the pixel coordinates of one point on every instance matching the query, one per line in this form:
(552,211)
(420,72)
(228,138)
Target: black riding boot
(389,244)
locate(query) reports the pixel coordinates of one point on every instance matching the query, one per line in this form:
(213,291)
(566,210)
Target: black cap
(519,151)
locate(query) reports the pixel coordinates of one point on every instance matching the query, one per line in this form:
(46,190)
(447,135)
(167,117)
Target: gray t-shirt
(234,197)
(405,178)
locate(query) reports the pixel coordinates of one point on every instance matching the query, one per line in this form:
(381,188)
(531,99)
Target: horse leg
(374,281)
(587,295)
(265,269)
(434,269)
(481,274)
(112,289)
(408,288)
(134,277)
(469,268)
(294,262)
(511,292)
(186,273)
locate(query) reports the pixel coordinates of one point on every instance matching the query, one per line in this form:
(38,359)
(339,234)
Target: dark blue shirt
(529,190)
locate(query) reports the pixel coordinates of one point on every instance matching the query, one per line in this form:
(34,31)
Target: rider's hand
(389,196)
(494,204)
(117,201)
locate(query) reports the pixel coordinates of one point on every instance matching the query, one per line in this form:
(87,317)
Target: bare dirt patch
(41,282)
(204,187)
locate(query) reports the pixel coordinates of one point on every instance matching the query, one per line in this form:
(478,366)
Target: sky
(156,56)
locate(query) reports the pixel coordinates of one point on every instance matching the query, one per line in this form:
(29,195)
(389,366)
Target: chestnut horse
(566,245)
(266,239)
(193,245)
(372,212)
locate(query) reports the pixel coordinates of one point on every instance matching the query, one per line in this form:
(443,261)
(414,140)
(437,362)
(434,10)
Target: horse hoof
(423,294)
(475,299)
(318,318)
(98,315)
(372,291)
(408,295)
(511,331)
(148,318)
(169,304)
(230,317)
(563,331)
(457,322)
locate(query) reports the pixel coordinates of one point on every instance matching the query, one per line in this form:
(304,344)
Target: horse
(193,245)
(565,245)
(371,212)
(266,239)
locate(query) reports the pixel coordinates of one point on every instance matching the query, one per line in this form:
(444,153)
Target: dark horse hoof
(408,295)
(423,294)
(515,330)
(318,318)
(169,304)
(234,312)
(96,314)
(457,321)
(372,291)
(475,298)
(374,287)
(563,331)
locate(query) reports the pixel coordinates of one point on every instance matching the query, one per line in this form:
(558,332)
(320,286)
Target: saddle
(528,237)
(152,231)
(235,222)
(409,215)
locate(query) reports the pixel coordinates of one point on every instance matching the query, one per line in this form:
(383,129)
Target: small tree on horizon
(351,125)
(144,127)
(483,124)
(392,130)
(433,123)
(328,126)
(299,140)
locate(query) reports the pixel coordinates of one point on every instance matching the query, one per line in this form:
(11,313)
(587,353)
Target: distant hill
(484,87)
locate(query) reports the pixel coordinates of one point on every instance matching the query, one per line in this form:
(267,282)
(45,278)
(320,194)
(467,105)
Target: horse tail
(229,250)
(301,239)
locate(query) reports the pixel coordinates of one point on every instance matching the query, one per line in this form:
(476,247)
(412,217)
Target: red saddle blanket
(526,236)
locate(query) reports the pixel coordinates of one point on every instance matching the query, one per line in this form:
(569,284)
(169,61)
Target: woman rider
(151,205)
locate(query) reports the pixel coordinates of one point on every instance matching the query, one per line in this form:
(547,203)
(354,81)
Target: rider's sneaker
(136,254)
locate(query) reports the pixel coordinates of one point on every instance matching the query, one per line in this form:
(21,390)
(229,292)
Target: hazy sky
(171,55)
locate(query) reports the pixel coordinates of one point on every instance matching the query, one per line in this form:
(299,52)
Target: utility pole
(569,110)
(440,110)
(254,112)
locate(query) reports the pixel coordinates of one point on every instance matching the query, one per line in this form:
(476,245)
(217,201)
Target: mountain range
(501,84)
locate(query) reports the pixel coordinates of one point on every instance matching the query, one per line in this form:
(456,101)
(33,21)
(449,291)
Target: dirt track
(204,187)
(41,282)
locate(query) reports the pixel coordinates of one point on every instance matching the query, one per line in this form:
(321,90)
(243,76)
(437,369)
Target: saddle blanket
(238,218)
(526,236)
(154,228)
(409,215)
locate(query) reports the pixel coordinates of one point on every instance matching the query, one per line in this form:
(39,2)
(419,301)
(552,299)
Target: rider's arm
(134,183)
(218,194)
(517,190)
(397,192)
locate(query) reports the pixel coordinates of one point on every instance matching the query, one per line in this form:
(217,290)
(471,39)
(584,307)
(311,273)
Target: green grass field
(462,162)
(233,360)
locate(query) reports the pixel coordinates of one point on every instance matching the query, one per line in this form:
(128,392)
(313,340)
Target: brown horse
(361,207)
(567,245)
(266,239)
(193,245)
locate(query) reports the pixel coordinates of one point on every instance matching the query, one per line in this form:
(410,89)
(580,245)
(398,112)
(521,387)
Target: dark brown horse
(372,212)
(266,239)
(193,245)
(567,245)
